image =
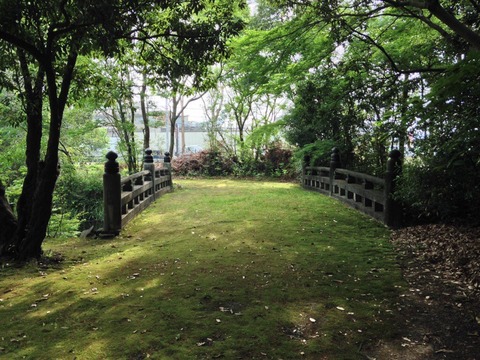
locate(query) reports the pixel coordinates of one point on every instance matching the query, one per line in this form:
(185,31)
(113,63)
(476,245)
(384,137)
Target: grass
(218,269)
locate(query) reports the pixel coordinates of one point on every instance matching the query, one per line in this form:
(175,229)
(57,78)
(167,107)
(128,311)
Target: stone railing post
(334,164)
(168,165)
(112,193)
(166,160)
(305,163)
(148,165)
(393,209)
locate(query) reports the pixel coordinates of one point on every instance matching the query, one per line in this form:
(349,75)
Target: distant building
(195,136)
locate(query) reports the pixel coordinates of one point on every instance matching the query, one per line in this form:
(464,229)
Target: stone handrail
(369,194)
(125,197)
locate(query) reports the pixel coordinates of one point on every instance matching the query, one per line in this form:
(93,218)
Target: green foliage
(433,192)
(79,196)
(12,164)
(12,140)
(263,136)
(82,138)
(444,180)
(63,224)
(315,154)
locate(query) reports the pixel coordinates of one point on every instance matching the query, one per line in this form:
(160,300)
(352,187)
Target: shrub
(79,194)
(278,162)
(275,162)
(206,163)
(438,193)
(316,154)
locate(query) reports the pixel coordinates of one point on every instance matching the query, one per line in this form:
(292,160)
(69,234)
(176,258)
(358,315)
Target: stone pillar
(305,163)
(148,165)
(168,165)
(167,159)
(112,193)
(334,164)
(393,209)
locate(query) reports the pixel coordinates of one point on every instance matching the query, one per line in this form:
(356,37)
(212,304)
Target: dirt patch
(438,317)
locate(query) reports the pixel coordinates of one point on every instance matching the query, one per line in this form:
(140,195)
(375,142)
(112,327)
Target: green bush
(316,154)
(79,194)
(439,193)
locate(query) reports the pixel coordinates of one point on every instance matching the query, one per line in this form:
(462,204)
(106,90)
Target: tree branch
(370,40)
(437,10)
(20,43)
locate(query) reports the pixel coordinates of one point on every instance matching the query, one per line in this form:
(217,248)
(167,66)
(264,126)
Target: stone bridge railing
(125,197)
(369,194)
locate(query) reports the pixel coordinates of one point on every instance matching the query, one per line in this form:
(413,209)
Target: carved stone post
(393,209)
(167,159)
(168,165)
(305,164)
(112,193)
(334,164)
(149,166)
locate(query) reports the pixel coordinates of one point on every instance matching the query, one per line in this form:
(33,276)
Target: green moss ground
(218,269)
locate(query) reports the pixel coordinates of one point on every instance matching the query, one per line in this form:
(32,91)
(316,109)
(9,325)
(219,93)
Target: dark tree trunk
(143,106)
(33,99)
(173,129)
(9,224)
(173,122)
(30,246)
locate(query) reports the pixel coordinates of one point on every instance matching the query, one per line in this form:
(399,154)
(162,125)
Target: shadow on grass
(280,273)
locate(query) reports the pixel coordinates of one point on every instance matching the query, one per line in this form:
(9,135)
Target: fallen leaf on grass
(206,342)
(444,351)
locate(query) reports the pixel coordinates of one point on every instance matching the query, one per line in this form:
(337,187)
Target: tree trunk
(30,246)
(33,104)
(403,128)
(9,224)
(126,136)
(173,122)
(143,107)
(172,136)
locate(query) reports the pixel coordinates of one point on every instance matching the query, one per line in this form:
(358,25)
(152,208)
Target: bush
(316,154)
(275,162)
(204,163)
(438,193)
(278,162)
(79,194)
